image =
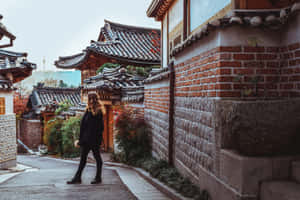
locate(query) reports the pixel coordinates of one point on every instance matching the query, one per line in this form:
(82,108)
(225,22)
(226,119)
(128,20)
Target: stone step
(296,171)
(280,190)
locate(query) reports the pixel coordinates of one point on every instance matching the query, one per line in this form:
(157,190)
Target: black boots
(74,181)
(96,181)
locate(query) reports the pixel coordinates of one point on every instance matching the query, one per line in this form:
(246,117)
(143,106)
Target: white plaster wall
(206,44)
(237,35)
(9,102)
(159,84)
(293,34)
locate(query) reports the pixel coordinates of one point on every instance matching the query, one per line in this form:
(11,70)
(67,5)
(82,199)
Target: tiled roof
(6,33)
(158,8)
(5,85)
(15,63)
(48,98)
(272,19)
(120,84)
(123,43)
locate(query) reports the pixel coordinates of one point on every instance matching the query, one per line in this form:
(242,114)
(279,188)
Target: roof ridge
(130,27)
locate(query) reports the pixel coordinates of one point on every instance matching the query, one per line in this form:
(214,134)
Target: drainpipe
(171,113)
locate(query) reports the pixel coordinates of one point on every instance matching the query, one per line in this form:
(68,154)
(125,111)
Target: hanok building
(14,67)
(122,44)
(41,107)
(233,95)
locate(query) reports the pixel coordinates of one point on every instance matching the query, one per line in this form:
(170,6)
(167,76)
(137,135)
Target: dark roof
(16,63)
(6,33)
(274,19)
(117,82)
(48,98)
(123,43)
(158,8)
(5,84)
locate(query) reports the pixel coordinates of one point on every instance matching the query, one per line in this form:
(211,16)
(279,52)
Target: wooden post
(171,114)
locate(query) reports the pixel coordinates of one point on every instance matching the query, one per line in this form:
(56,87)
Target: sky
(47,29)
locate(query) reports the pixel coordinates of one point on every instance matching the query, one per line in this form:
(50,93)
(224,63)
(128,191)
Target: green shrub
(70,132)
(132,136)
(54,136)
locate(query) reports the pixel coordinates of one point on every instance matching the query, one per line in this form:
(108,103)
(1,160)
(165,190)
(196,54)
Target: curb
(171,193)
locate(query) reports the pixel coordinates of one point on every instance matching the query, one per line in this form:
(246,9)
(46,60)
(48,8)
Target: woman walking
(91,128)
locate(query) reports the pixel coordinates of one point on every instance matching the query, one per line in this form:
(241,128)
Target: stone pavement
(46,181)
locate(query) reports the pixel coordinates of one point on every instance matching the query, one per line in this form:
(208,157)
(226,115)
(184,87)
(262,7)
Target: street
(48,182)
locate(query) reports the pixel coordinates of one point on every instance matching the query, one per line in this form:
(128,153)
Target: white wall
(9,102)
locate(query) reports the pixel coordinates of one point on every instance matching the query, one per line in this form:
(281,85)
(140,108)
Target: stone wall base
(240,176)
(8,164)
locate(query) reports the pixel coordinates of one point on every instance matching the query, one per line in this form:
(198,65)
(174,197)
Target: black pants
(83,157)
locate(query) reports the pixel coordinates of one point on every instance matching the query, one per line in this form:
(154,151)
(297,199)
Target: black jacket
(91,129)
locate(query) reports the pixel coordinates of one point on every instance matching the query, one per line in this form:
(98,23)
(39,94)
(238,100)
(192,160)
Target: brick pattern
(20,103)
(241,72)
(8,146)
(30,133)
(194,133)
(156,114)
(157,99)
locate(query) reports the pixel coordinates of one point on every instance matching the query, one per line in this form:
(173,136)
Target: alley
(49,182)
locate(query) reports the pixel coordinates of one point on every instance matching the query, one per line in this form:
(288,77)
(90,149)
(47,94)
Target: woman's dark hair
(95,105)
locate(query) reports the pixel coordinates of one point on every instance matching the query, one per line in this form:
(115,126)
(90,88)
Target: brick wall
(30,133)
(241,72)
(156,114)
(8,147)
(20,103)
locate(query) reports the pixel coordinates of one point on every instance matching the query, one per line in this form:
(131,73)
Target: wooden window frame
(2,106)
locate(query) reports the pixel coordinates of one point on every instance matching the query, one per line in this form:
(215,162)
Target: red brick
(272,64)
(292,62)
(212,94)
(223,86)
(294,78)
(229,64)
(230,49)
(244,71)
(266,56)
(272,49)
(243,56)
(225,56)
(294,46)
(223,71)
(286,86)
(266,71)
(225,79)
(229,94)
(272,78)
(254,49)
(254,64)
(243,86)
(287,71)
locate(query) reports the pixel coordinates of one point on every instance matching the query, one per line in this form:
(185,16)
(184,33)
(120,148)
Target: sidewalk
(6,174)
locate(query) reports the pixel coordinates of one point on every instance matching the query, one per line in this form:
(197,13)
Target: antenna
(44,64)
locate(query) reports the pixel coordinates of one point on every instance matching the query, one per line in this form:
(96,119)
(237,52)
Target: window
(200,12)
(2,105)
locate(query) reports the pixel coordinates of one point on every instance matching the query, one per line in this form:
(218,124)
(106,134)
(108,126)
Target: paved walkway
(46,180)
